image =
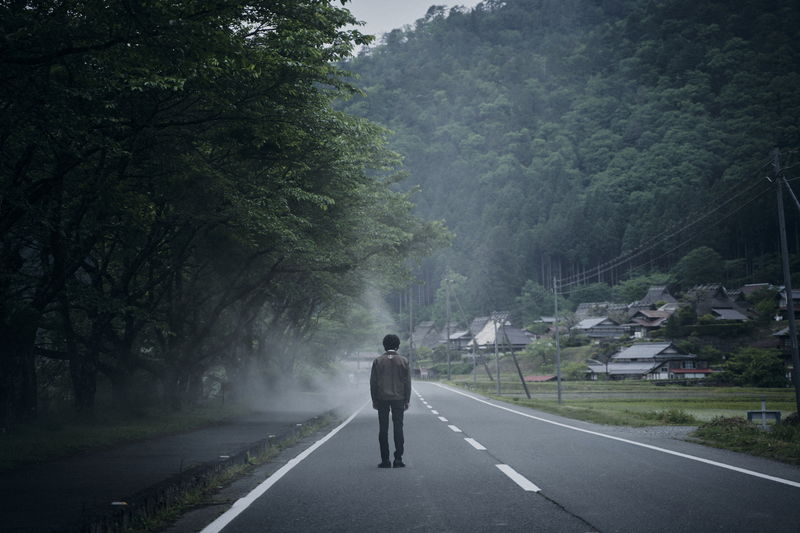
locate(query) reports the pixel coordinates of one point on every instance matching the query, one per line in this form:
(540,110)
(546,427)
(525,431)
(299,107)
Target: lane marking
(455,428)
(519,479)
(632,442)
(443,419)
(243,503)
(435,412)
(475,444)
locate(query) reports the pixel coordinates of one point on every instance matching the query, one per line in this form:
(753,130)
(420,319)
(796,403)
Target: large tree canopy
(177,194)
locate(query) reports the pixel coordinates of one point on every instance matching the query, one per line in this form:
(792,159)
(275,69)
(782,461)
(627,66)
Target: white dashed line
(475,444)
(443,419)
(628,441)
(434,411)
(519,479)
(455,428)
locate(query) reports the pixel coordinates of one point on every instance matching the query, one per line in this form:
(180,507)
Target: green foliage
(634,289)
(782,442)
(170,215)
(573,370)
(701,265)
(765,303)
(755,367)
(555,137)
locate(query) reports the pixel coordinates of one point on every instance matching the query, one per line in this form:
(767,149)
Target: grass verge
(199,497)
(64,436)
(780,442)
(719,413)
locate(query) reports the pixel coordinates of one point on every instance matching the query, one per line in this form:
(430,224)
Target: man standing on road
(390,387)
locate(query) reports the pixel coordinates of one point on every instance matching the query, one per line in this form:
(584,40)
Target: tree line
(555,137)
(179,201)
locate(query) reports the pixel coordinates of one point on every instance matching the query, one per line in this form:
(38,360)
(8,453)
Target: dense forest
(591,140)
(181,208)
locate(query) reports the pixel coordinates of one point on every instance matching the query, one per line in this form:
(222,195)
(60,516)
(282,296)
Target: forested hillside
(555,136)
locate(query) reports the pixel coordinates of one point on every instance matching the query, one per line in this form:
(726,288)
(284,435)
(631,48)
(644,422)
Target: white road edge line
(475,444)
(243,503)
(633,442)
(455,428)
(519,479)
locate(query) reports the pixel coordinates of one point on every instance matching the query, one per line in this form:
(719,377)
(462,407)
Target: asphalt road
(478,465)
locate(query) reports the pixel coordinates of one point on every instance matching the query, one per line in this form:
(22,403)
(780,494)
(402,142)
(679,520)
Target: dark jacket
(390,378)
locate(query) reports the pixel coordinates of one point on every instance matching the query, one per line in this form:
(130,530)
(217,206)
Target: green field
(720,413)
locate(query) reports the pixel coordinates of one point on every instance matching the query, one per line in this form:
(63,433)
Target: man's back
(390,378)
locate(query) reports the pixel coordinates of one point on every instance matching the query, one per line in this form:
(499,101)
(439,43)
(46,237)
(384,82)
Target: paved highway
(480,465)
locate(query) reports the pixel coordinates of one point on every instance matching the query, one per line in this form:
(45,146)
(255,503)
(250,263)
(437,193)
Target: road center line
(519,479)
(243,503)
(632,442)
(475,444)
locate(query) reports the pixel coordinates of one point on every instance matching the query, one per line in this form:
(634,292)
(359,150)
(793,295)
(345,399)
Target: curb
(152,501)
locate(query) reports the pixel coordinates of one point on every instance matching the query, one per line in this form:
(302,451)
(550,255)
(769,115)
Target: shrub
(676,416)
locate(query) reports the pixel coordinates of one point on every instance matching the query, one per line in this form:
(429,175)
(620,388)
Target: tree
(166,213)
(701,265)
(755,367)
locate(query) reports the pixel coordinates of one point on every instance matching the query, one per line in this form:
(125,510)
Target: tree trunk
(18,394)
(83,372)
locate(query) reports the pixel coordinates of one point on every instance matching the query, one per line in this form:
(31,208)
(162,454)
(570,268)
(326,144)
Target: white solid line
(633,442)
(243,503)
(475,444)
(455,428)
(519,479)
(443,419)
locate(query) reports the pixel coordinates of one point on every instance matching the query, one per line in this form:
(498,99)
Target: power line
(665,235)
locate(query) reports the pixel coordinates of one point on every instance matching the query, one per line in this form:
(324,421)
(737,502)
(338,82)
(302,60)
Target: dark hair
(391,342)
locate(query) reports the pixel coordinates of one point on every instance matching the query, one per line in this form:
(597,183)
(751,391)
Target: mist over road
(478,465)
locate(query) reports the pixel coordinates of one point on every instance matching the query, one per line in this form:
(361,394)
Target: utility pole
(787,277)
(496,354)
(447,327)
(558,341)
(411,328)
(516,363)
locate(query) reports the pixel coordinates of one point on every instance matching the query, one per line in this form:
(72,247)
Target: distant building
(657,295)
(782,302)
(505,334)
(601,328)
(651,361)
(600,309)
(713,299)
(645,321)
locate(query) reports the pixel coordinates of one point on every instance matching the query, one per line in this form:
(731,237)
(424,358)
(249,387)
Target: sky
(382,16)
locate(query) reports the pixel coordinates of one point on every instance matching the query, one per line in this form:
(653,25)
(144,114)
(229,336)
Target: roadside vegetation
(719,413)
(52,437)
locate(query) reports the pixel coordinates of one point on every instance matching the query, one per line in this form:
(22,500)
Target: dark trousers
(396,406)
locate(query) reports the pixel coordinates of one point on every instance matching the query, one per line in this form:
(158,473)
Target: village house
(504,334)
(782,306)
(645,321)
(651,361)
(600,309)
(601,328)
(657,297)
(713,300)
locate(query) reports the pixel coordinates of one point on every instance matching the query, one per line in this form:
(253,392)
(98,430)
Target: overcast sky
(383,16)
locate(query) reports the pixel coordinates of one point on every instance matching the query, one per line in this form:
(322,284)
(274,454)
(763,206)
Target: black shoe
(398,464)
(385,464)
